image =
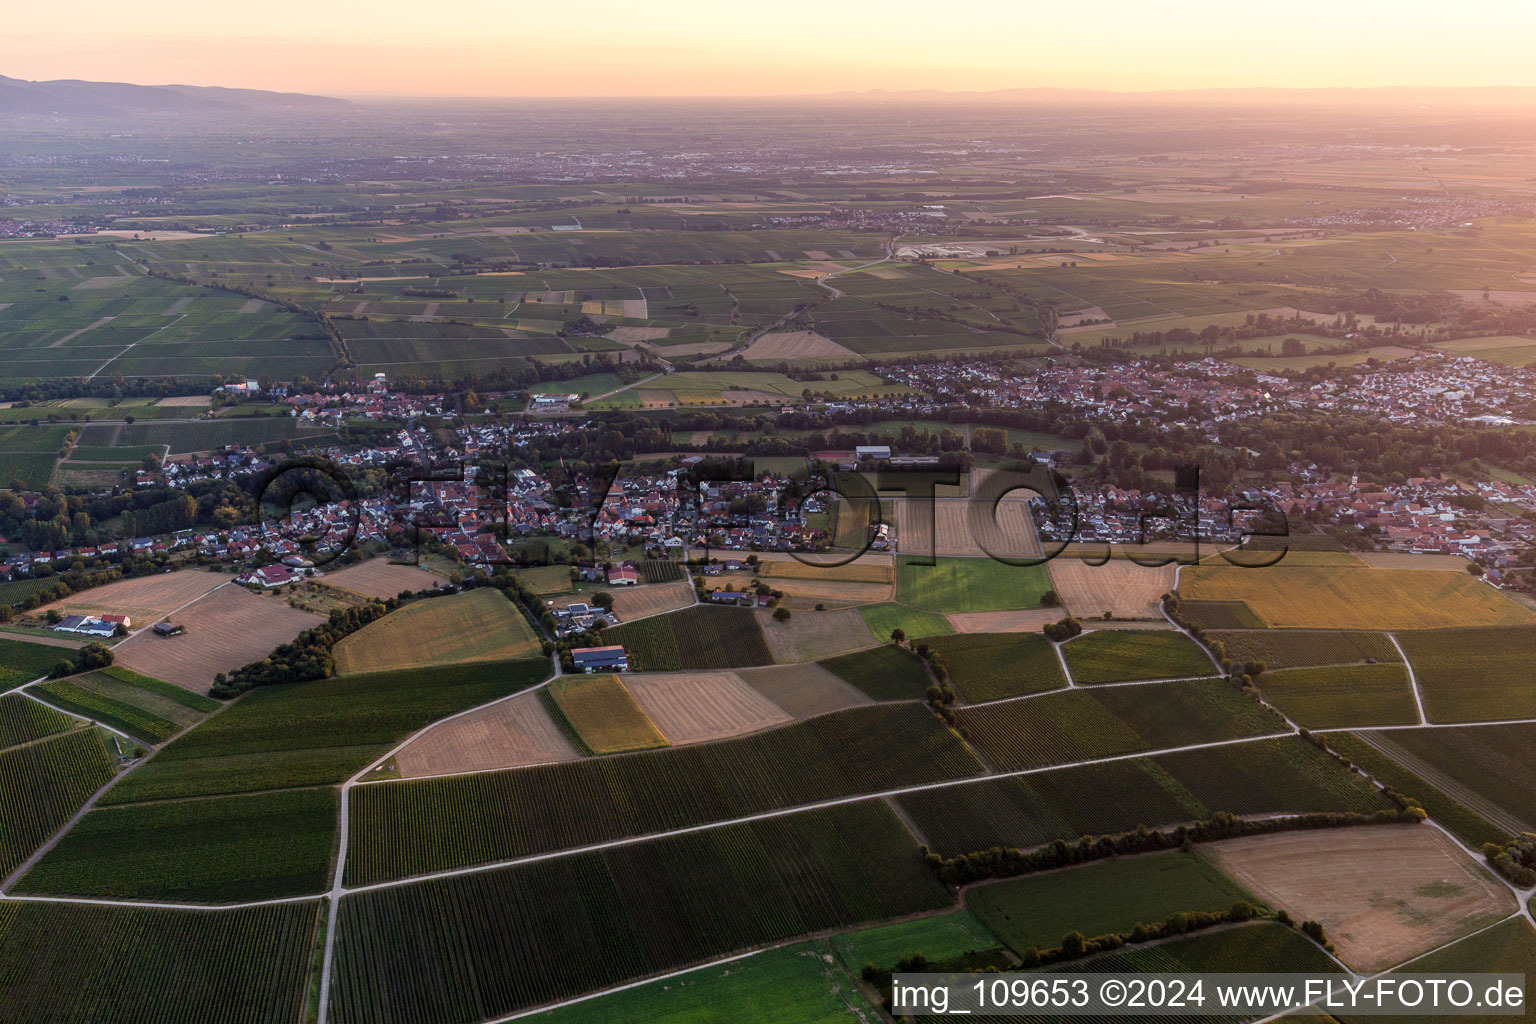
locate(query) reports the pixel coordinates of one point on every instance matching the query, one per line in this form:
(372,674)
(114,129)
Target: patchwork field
(228,628)
(803,690)
(602,713)
(1075,725)
(478,625)
(813,635)
(145,708)
(508,734)
(1474,675)
(1347,598)
(1340,696)
(1120,587)
(316,733)
(144,599)
(780,877)
(1286,775)
(797,345)
(400,829)
(1112,655)
(689,707)
(383,579)
(1382,894)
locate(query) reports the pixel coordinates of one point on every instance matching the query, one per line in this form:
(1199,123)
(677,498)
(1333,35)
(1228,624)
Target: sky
(501,48)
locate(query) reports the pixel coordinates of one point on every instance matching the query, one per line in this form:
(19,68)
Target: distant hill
(73,98)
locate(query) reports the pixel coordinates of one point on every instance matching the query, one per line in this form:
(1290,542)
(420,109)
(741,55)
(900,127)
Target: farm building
(600,659)
(623,577)
(553,401)
(86,625)
(872,451)
(269,576)
(168,629)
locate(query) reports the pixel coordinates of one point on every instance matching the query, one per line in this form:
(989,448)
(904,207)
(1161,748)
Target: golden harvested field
(228,628)
(1343,598)
(145,599)
(796,345)
(477,625)
(1122,588)
(383,579)
(1404,560)
(1383,893)
(807,593)
(508,734)
(855,572)
(604,714)
(1026,620)
(635,602)
(812,635)
(803,690)
(950,526)
(689,707)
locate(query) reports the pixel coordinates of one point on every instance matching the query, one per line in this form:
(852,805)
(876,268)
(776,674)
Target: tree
(781,614)
(898,635)
(603,600)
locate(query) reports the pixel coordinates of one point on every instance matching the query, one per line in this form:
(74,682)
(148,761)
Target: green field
(1264,947)
(1280,776)
(146,708)
(1506,948)
(21,662)
(790,985)
(697,637)
(1496,763)
(545,580)
(42,784)
(169,966)
(1035,911)
(23,720)
(882,618)
(887,672)
(1339,696)
(315,733)
(1075,725)
(413,953)
(1297,648)
(1113,655)
(1471,827)
(224,849)
(969,584)
(941,937)
(1474,675)
(992,666)
(400,829)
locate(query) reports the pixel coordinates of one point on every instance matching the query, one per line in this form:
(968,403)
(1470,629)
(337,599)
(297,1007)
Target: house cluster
(1117,515)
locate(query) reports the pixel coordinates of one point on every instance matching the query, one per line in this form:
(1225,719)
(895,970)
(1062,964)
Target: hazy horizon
(687,48)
